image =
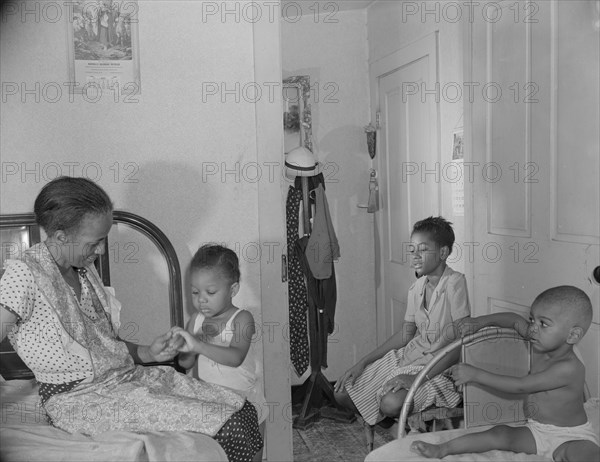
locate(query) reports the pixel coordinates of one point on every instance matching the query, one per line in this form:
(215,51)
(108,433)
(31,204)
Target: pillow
(20,403)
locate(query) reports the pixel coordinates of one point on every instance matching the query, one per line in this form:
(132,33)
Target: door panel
(535,152)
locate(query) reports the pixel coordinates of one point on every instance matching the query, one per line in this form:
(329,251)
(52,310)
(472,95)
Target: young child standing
(557,425)
(377,385)
(218,335)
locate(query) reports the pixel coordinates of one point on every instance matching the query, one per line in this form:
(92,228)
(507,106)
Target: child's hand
(175,341)
(349,377)
(188,343)
(463,373)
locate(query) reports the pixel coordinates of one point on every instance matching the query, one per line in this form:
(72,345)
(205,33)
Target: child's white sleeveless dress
(246,379)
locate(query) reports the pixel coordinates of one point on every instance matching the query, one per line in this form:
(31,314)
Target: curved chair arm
(483,334)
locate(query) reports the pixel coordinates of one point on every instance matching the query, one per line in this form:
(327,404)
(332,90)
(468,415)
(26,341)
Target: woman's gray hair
(64,202)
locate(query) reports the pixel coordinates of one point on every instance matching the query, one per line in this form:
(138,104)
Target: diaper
(549,437)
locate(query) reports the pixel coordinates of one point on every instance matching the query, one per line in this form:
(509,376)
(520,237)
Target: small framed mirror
(297,120)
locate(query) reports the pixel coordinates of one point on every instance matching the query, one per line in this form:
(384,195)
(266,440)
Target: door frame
(469,224)
(271,228)
(427,45)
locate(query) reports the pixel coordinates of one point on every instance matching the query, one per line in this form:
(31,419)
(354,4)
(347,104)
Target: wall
(392,26)
(190,162)
(149,155)
(331,48)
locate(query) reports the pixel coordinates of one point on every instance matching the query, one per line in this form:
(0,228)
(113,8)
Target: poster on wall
(458,178)
(103,48)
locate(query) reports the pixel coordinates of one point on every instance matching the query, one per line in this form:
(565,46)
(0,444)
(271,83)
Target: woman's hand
(463,373)
(164,347)
(398,383)
(349,376)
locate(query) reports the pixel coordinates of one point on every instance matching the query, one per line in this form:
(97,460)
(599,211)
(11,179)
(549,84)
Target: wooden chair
(498,350)
(501,351)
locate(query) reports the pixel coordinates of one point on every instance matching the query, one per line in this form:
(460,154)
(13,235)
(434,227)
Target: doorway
(408,148)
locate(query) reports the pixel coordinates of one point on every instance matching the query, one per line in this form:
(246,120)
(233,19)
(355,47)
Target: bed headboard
(20,231)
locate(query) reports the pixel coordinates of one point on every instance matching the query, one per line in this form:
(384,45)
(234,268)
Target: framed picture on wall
(103,47)
(457,145)
(297,118)
(456,176)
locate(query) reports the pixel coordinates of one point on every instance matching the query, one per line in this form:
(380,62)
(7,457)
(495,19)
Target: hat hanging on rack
(301,162)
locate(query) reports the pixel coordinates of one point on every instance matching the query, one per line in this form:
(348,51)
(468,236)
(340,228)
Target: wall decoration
(371,132)
(457,145)
(457,179)
(103,48)
(297,119)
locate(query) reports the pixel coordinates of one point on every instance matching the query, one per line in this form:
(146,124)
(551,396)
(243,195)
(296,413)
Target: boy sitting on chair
(557,425)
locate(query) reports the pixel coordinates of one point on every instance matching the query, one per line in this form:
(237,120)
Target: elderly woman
(62,319)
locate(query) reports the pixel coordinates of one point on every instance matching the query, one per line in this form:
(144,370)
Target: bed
(484,348)
(26,434)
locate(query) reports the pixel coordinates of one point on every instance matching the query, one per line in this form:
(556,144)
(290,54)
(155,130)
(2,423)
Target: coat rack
(317,384)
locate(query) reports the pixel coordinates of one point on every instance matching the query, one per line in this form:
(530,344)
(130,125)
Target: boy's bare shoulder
(569,364)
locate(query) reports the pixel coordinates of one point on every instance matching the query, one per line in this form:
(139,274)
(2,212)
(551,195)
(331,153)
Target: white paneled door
(407,140)
(534,156)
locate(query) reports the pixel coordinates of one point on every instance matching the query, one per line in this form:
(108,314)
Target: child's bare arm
(556,376)
(469,325)
(187,360)
(235,353)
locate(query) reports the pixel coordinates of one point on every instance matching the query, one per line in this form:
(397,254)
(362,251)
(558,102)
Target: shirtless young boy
(557,426)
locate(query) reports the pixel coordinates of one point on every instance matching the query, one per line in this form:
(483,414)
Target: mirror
(297,121)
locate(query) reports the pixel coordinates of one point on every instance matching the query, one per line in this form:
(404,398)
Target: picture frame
(458,179)
(103,48)
(457,145)
(297,118)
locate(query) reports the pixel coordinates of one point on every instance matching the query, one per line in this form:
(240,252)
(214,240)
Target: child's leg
(259,455)
(502,437)
(391,403)
(343,399)
(577,451)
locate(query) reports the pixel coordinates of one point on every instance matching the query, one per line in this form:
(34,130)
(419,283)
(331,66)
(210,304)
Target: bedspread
(25,435)
(400,449)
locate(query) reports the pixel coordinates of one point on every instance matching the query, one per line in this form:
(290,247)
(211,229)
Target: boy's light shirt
(449,302)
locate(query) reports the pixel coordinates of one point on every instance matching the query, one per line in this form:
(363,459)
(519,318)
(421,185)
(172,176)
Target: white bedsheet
(399,450)
(25,435)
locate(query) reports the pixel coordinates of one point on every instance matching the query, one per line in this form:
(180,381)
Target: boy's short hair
(439,229)
(215,256)
(573,301)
